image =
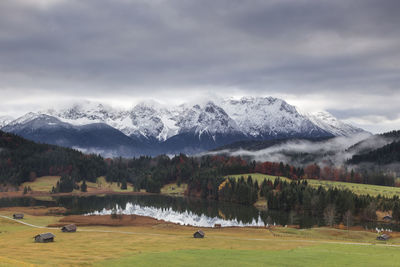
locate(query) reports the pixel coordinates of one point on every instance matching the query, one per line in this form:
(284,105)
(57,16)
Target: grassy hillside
(172,245)
(174,189)
(46,183)
(258,177)
(360,189)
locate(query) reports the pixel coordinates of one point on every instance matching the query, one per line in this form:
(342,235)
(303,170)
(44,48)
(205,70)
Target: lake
(184,211)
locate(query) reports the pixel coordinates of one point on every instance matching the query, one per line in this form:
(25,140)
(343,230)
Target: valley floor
(157,243)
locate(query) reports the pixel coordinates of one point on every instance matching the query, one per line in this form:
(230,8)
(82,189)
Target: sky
(342,56)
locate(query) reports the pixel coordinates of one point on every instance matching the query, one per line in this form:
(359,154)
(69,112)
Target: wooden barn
(44,238)
(388,218)
(217,225)
(383,237)
(18,216)
(70,228)
(199,234)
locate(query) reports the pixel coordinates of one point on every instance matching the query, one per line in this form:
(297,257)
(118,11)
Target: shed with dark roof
(18,216)
(44,238)
(199,234)
(388,218)
(383,237)
(69,228)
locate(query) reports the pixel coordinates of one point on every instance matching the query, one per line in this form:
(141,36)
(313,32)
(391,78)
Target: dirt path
(27,224)
(217,237)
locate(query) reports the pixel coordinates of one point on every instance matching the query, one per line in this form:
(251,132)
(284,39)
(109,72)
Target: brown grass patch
(108,220)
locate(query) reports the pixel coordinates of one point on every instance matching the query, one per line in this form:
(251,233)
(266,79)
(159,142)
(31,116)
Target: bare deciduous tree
(348,219)
(329,215)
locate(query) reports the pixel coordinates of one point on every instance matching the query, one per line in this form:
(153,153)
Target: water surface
(184,211)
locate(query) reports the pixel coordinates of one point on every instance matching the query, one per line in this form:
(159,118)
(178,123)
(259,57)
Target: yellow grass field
(173,245)
(174,189)
(359,189)
(46,183)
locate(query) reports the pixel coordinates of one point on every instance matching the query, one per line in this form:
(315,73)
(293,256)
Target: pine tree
(124,184)
(257,188)
(84,186)
(396,211)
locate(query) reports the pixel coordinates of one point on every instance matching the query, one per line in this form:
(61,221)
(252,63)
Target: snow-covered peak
(153,121)
(262,116)
(24,119)
(328,122)
(34,121)
(86,112)
(4,120)
(209,118)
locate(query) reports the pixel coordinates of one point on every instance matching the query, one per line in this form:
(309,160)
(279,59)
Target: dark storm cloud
(104,47)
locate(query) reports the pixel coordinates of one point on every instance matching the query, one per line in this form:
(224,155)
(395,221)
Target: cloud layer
(341,55)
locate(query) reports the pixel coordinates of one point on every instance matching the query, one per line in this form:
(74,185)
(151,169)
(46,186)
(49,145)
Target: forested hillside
(385,155)
(22,160)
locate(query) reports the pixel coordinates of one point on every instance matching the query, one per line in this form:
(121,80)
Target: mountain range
(150,128)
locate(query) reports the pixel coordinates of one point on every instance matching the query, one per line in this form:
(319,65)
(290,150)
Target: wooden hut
(44,238)
(217,225)
(388,218)
(18,216)
(70,228)
(383,237)
(199,234)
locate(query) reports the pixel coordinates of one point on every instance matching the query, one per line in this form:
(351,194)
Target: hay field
(172,245)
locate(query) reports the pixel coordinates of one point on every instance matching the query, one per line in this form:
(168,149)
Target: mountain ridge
(156,128)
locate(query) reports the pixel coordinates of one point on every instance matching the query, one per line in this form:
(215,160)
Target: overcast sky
(339,56)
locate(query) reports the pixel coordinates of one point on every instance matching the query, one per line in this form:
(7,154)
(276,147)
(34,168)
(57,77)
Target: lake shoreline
(17,194)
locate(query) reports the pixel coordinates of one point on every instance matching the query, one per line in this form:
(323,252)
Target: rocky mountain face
(151,128)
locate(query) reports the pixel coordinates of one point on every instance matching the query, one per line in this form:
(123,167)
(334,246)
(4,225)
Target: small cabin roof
(18,215)
(200,232)
(69,227)
(46,235)
(383,237)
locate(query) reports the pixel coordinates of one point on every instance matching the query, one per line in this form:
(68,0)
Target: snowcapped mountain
(186,128)
(263,118)
(94,137)
(4,120)
(329,123)
(154,122)
(209,118)
(90,112)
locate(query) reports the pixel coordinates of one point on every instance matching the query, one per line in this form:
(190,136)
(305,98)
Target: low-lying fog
(299,152)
